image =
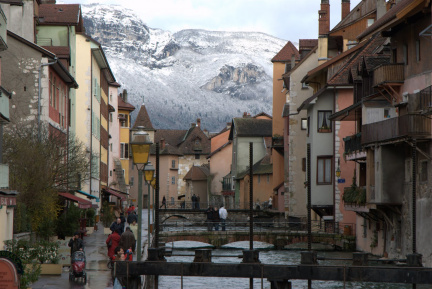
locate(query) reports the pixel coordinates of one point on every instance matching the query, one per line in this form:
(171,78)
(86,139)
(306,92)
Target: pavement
(98,274)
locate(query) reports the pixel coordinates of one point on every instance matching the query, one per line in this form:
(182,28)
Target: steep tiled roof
(143,119)
(308,43)
(59,14)
(261,167)
(124,105)
(386,18)
(196,141)
(263,114)
(286,52)
(197,173)
(342,76)
(251,127)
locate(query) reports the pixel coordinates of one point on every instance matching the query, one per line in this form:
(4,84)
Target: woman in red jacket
(112,242)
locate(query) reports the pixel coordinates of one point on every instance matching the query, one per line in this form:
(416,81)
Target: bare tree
(41,166)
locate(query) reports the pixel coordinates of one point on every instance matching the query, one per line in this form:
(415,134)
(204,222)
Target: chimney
(193,125)
(125,97)
(228,125)
(206,132)
(293,60)
(245,114)
(324,18)
(199,122)
(381,8)
(345,8)
(162,143)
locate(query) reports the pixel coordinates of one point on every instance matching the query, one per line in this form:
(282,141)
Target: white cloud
(286,19)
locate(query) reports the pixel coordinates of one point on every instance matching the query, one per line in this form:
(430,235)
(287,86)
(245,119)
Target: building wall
(295,174)
(114,131)
(52,36)
(220,166)
(20,19)
(262,190)
(6,225)
(321,145)
(124,138)
(219,140)
(185,164)
(344,99)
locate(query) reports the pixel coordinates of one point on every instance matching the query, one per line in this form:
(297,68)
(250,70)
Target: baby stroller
(77,271)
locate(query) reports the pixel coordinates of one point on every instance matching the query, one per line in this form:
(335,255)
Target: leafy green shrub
(354,194)
(91,214)
(21,219)
(68,222)
(107,215)
(30,275)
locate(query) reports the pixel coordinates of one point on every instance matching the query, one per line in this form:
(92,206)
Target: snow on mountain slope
(187,75)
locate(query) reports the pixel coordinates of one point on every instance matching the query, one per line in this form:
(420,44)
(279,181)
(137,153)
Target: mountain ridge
(189,74)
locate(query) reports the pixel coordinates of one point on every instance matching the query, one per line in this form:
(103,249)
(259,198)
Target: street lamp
(338,171)
(140,145)
(148,175)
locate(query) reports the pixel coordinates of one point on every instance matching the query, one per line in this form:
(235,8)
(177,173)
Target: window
(110,147)
(110,173)
(417,47)
(423,171)
(110,117)
(370,22)
(54,92)
(124,150)
(123,119)
(305,85)
(386,113)
(287,67)
(173,164)
(197,157)
(173,180)
(308,125)
(304,123)
(394,55)
(324,170)
(324,124)
(172,201)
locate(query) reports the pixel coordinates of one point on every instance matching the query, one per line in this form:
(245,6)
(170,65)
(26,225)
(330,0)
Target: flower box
(51,269)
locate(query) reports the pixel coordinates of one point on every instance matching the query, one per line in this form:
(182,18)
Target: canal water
(267,255)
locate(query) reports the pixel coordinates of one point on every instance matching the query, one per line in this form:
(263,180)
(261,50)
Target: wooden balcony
(409,125)
(388,74)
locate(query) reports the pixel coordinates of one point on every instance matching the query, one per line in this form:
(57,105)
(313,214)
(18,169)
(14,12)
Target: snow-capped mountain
(187,75)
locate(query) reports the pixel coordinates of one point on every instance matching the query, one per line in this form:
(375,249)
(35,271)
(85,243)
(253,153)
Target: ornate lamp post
(148,175)
(140,145)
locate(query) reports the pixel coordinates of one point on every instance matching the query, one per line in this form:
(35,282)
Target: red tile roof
(59,14)
(124,105)
(286,53)
(386,18)
(197,173)
(308,43)
(60,51)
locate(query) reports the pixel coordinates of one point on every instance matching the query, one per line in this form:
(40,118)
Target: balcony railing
(409,125)
(389,73)
(353,143)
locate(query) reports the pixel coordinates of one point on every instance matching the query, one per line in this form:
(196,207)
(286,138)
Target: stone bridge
(277,238)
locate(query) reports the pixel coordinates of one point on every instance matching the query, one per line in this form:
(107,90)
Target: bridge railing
(204,205)
(318,226)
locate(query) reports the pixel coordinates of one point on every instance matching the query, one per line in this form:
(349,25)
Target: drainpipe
(39,94)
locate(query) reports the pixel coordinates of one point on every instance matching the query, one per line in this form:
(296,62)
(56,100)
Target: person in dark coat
(116,225)
(132,217)
(122,221)
(216,218)
(76,243)
(113,242)
(163,203)
(127,240)
(209,220)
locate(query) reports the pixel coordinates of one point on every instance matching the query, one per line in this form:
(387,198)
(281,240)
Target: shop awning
(88,195)
(82,203)
(111,192)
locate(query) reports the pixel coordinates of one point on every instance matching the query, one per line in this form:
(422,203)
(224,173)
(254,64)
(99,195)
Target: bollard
(360,259)
(203,255)
(414,260)
(309,258)
(251,256)
(156,254)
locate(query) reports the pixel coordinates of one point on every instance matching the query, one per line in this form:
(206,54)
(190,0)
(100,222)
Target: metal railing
(188,205)
(318,226)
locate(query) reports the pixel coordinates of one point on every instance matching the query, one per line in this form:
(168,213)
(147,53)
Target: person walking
(223,214)
(76,243)
(134,226)
(270,203)
(112,242)
(209,220)
(127,241)
(116,225)
(216,218)
(132,217)
(163,203)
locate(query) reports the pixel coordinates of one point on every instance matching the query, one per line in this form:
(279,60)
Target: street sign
(341,181)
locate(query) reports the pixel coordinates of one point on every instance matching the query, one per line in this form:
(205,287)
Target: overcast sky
(286,19)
